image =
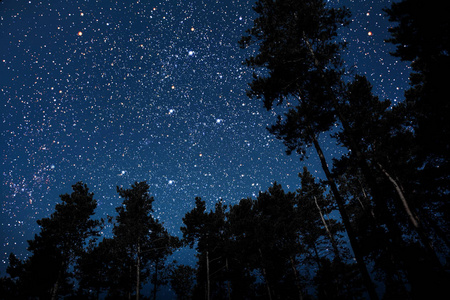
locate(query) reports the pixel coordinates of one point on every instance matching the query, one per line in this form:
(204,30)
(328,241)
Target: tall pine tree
(298,50)
(54,251)
(143,239)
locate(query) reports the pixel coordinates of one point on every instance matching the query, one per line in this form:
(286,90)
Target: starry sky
(113,92)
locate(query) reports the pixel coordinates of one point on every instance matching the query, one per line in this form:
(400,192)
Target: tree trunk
(155,283)
(411,216)
(319,263)
(228,281)
(131,280)
(265,275)
(138,271)
(54,293)
(208,286)
(346,220)
(55,289)
(399,190)
(333,242)
(297,280)
(372,213)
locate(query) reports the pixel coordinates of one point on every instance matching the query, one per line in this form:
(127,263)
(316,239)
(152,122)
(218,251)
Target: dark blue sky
(113,92)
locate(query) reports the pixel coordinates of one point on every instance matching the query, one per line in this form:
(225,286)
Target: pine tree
(141,237)
(276,238)
(245,259)
(298,49)
(181,280)
(389,148)
(264,238)
(96,271)
(47,272)
(421,35)
(209,232)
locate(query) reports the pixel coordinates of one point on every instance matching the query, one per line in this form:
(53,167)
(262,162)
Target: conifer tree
(141,237)
(390,151)
(181,280)
(54,251)
(421,36)
(298,49)
(208,230)
(276,240)
(97,269)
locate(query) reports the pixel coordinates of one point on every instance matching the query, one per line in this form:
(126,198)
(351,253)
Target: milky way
(110,93)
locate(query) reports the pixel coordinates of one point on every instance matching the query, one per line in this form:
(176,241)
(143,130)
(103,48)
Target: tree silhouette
(276,240)
(47,272)
(421,34)
(297,47)
(391,153)
(96,270)
(141,238)
(208,231)
(181,280)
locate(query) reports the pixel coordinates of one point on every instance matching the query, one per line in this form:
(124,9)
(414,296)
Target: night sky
(113,92)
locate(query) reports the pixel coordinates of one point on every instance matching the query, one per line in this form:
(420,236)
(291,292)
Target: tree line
(375,227)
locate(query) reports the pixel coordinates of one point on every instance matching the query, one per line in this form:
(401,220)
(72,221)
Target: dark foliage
(47,272)
(181,280)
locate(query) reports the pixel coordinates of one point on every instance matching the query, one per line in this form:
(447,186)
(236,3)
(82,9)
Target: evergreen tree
(47,272)
(140,238)
(245,259)
(277,240)
(421,34)
(298,49)
(8,289)
(163,244)
(390,151)
(208,231)
(181,280)
(96,269)
(265,238)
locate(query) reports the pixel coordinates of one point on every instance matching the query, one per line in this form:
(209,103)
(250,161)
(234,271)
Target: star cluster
(111,92)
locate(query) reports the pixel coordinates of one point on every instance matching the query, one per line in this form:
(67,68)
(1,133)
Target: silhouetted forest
(377,227)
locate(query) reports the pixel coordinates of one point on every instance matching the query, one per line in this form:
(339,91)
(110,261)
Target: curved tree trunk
(411,216)
(333,242)
(362,163)
(54,292)
(347,224)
